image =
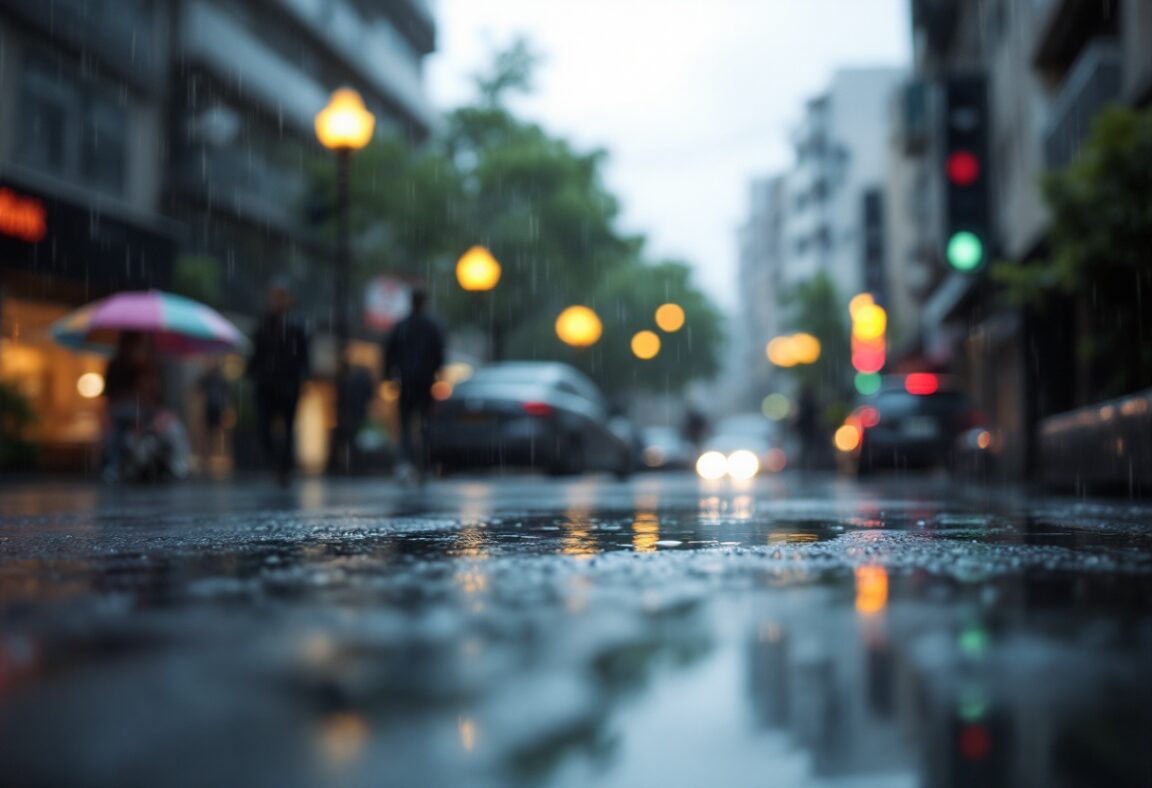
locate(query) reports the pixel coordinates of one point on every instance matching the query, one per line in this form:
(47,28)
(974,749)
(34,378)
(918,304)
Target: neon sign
(22,217)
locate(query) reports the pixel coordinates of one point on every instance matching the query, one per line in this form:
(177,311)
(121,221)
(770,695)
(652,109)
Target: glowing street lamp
(478,270)
(342,127)
(579,326)
(345,124)
(670,317)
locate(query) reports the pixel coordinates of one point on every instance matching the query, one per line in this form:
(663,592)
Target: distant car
(664,448)
(918,420)
(529,414)
(741,447)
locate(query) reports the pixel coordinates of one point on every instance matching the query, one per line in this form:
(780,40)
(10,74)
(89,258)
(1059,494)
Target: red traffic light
(963,168)
(921,384)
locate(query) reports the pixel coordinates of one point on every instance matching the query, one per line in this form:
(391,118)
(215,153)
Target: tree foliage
(814,306)
(1100,250)
(541,207)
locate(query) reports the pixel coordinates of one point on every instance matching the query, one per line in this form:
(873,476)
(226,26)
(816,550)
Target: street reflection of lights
(743,507)
(712,465)
(343,738)
(466,727)
(90,385)
(743,465)
(847,438)
(792,537)
(645,532)
(711,509)
(576,542)
(871,589)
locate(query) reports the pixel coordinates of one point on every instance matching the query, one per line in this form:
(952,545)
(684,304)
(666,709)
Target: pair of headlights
(739,465)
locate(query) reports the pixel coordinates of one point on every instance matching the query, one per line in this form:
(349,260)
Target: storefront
(56,255)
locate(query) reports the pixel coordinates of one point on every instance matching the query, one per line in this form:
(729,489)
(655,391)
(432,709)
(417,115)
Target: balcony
(1068,26)
(1093,81)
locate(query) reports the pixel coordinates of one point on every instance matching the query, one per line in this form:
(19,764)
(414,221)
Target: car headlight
(743,464)
(712,465)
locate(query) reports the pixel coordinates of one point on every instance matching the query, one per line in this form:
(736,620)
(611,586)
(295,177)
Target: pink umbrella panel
(179,326)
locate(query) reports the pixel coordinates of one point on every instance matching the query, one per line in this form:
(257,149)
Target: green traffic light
(867,383)
(965,251)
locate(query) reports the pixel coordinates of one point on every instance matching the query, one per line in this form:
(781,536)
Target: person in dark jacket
(413,354)
(278,368)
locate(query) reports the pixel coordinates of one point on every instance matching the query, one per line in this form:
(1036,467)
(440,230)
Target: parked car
(664,448)
(918,420)
(530,414)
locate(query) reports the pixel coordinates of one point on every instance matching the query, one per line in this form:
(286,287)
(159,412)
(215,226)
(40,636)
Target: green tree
(1099,254)
(541,206)
(814,306)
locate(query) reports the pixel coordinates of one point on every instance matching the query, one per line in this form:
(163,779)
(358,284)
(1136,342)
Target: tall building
(1048,67)
(83,90)
(825,214)
(153,143)
(840,146)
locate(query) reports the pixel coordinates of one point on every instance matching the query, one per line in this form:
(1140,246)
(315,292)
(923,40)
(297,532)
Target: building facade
(1048,68)
(146,143)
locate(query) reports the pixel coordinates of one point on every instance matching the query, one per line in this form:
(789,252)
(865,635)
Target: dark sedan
(528,414)
(914,421)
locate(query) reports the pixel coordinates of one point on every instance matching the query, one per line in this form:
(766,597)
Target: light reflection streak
(871,589)
(645,532)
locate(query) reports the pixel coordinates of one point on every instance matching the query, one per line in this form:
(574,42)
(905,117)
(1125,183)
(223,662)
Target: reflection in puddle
(646,532)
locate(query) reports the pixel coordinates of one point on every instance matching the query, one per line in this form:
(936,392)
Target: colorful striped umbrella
(179,326)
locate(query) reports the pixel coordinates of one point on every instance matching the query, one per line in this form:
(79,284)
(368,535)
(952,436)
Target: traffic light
(966,220)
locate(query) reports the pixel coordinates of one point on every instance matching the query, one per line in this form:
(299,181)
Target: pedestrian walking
(413,354)
(278,367)
(215,396)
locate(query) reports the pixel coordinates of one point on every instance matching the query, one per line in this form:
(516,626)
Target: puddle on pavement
(711,645)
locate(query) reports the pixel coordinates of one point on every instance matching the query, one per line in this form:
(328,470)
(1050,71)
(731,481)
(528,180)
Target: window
(70,128)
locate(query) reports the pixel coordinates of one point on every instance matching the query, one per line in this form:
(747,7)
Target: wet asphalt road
(508,632)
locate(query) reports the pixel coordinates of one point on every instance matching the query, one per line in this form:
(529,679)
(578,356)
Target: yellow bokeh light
(441,390)
(788,351)
(858,302)
(478,270)
(869,323)
(90,385)
(847,438)
(805,348)
(345,124)
(579,326)
(780,352)
(670,317)
(645,345)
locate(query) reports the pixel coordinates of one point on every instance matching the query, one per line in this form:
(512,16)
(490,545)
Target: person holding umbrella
(137,326)
(278,367)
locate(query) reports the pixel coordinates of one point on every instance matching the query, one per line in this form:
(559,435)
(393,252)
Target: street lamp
(645,345)
(670,317)
(478,270)
(343,126)
(579,327)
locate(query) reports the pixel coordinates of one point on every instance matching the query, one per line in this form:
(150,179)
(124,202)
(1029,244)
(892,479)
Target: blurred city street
(791,630)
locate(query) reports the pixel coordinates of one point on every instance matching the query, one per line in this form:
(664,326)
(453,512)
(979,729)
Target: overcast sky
(691,98)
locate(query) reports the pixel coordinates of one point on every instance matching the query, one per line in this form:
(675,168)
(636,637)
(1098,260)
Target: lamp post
(477,271)
(343,126)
